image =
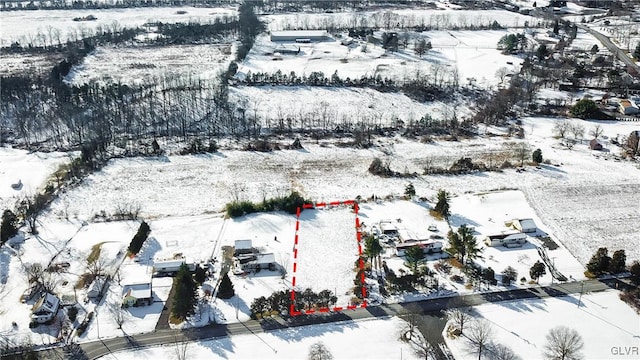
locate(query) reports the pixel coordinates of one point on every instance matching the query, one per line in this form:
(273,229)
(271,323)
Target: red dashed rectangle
(295,312)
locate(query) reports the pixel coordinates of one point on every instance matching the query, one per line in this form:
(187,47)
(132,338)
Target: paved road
(619,53)
(96,349)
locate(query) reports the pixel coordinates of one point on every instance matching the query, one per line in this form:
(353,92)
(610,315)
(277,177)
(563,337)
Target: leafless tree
(521,151)
(319,351)
(34,272)
(561,128)
(596,131)
(459,315)
(480,335)
(411,333)
(501,73)
(118,314)
(97,267)
(577,130)
(563,343)
(181,348)
(502,352)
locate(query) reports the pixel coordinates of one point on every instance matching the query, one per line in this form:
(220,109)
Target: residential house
(45,308)
(525,225)
(171,265)
(388,228)
(507,238)
(428,246)
(260,262)
(242,247)
(137,294)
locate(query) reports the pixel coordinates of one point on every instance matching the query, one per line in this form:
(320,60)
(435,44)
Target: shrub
(72,313)
(289,204)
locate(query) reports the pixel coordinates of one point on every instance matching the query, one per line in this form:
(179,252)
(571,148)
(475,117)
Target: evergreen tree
(8,228)
(585,109)
(372,249)
(442,206)
(618,262)
(537,156)
(537,270)
(225,289)
(463,244)
(636,52)
(489,275)
(414,256)
(410,190)
(634,269)
(185,296)
(509,275)
(139,238)
(599,262)
(199,275)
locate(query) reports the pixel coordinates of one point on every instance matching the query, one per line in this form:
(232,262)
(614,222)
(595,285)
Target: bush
(72,313)
(289,204)
(8,228)
(378,168)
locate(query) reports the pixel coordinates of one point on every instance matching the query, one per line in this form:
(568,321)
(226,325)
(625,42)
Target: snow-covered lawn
(369,339)
(40,26)
(606,324)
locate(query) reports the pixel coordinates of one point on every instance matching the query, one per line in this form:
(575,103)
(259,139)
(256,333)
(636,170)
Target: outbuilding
(300,36)
(507,239)
(525,225)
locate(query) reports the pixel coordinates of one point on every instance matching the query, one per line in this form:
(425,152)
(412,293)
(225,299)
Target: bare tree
(596,131)
(480,336)
(502,352)
(181,348)
(577,130)
(97,267)
(411,332)
(501,73)
(459,316)
(561,128)
(521,151)
(319,351)
(118,314)
(563,343)
(34,272)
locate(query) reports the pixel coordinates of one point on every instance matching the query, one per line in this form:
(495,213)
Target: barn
(300,36)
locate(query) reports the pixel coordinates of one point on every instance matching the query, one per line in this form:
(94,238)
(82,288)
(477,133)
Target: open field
(151,65)
(49,26)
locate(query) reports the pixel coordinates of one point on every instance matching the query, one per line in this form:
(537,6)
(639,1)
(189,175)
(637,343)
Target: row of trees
(280,302)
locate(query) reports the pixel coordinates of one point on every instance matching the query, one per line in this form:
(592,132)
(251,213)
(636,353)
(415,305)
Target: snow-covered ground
(369,339)
(150,65)
(32,169)
(47,26)
(609,328)
(458,51)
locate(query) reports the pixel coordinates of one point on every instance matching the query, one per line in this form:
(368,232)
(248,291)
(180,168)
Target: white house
(260,261)
(509,238)
(388,228)
(45,308)
(171,265)
(525,225)
(300,36)
(428,246)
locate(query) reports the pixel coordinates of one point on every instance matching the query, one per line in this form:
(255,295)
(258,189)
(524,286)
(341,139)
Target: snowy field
(32,169)
(22,64)
(47,26)
(369,339)
(331,105)
(606,325)
(452,50)
(151,65)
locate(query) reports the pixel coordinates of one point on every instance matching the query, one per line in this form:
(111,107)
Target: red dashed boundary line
(292,310)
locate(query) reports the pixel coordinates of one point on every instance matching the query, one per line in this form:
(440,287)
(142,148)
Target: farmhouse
(300,36)
(45,308)
(507,239)
(627,107)
(428,246)
(594,144)
(525,225)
